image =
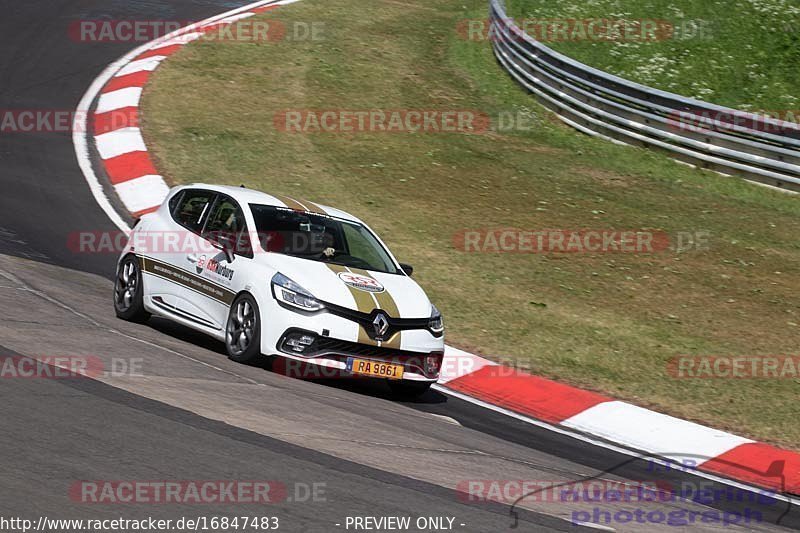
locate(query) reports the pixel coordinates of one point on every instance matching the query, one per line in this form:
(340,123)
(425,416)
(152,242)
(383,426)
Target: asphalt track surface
(186,412)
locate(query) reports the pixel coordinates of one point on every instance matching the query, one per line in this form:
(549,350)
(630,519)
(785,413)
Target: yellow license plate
(374,368)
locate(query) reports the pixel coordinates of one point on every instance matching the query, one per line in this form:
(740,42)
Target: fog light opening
(298,342)
(433,364)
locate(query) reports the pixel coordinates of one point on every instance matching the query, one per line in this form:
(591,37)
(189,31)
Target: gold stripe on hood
(386,302)
(364,303)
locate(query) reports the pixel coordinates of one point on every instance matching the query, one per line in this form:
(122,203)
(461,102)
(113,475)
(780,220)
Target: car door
(174,283)
(225,228)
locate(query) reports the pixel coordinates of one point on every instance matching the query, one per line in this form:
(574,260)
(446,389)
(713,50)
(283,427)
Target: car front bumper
(329,353)
(338,337)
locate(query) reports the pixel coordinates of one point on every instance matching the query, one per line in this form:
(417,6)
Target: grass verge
(607,322)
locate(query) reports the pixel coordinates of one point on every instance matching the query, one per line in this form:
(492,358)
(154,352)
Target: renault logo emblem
(381,325)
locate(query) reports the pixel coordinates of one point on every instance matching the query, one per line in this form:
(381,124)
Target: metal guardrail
(706,135)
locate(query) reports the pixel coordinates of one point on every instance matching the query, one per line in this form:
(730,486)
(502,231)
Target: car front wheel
(243,330)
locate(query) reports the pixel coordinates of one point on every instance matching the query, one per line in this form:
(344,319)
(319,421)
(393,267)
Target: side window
(191,208)
(226,221)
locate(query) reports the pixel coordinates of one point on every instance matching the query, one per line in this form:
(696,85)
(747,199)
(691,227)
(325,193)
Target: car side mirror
(226,244)
(229,255)
(408,269)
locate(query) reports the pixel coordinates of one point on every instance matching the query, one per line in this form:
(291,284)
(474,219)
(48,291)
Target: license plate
(374,368)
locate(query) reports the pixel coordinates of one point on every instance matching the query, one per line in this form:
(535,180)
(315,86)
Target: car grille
(365,321)
(324,345)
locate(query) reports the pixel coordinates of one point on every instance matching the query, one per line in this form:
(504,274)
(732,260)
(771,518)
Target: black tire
(243,330)
(409,390)
(129,291)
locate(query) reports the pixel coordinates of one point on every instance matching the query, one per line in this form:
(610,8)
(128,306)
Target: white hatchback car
(272,275)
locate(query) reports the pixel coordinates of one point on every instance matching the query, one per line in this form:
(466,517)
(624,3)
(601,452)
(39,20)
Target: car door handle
(191,258)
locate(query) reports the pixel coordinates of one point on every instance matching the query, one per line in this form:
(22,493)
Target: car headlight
(436,324)
(292,294)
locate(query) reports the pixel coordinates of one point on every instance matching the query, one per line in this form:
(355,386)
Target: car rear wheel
(129,291)
(409,390)
(243,330)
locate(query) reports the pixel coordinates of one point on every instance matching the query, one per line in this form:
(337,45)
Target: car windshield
(320,238)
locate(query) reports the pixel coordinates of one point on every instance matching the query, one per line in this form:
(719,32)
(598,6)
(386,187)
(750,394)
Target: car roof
(243,195)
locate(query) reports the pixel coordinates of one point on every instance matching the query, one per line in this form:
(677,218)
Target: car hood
(357,289)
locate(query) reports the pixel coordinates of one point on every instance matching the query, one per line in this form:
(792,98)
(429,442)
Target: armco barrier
(706,135)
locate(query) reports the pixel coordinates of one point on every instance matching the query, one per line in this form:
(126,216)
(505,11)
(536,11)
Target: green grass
(607,322)
(739,53)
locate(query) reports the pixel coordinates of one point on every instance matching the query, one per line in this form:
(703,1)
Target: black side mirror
(229,255)
(408,269)
(226,243)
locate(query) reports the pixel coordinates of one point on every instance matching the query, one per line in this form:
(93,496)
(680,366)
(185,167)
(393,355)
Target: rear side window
(174,201)
(192,208)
